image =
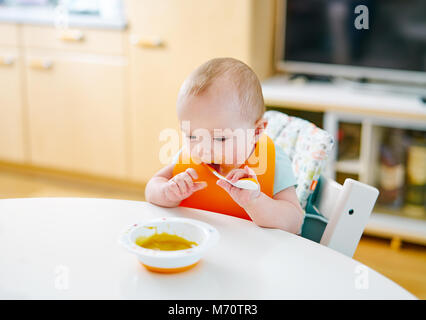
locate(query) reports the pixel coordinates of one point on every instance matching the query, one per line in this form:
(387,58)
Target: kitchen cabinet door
(9,34)
(168,39)
(12,116)
(76,105)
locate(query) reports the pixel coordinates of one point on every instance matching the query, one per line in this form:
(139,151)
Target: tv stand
(361,84)
(371,106)
(383,87)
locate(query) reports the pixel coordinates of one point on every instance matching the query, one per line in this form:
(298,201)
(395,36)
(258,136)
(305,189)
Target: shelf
(352,166)
(335,97)
(391,226)
(371,108)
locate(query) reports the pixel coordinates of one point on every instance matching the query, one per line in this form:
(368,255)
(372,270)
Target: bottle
(349,137)
(392,169)
(415,196)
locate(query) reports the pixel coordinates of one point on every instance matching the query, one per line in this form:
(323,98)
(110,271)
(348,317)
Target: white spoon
(242,184)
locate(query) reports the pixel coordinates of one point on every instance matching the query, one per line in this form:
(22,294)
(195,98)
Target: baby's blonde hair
(238,73)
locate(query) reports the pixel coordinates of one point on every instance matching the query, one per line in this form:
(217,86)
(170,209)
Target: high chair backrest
(335,215)
(347,209)
(306,145)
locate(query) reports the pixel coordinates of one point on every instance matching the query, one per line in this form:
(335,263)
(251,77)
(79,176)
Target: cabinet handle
(153,42)
(7,60)
(41,64)
(71,35)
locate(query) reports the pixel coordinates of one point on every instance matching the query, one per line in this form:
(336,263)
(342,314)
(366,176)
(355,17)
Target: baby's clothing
(273,169)
(283,177)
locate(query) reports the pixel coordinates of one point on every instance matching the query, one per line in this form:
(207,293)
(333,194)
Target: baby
(220,107)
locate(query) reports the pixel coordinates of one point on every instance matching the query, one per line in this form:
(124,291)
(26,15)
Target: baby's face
(213,127)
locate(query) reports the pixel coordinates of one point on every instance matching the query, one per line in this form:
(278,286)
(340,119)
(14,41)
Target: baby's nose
(202,153)
(206,157)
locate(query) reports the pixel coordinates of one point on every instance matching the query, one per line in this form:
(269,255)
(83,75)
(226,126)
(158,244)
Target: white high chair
(346,210)
(335,215)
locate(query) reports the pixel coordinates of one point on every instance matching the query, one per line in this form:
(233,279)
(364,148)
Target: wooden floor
(406,266)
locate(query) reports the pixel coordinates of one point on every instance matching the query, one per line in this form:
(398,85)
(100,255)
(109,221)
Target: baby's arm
(167,191)
(283,211)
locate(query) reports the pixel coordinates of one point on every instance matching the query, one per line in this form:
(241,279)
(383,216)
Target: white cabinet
(95,101)
(384,222)
(76,107)
(369,107)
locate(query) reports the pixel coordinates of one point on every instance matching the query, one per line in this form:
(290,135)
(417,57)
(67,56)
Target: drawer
(75,39)
(8,34)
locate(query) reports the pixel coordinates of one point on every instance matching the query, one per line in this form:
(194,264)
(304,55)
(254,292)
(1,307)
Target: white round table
(67,248)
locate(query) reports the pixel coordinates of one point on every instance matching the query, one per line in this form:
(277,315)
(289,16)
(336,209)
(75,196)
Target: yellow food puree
(164,241)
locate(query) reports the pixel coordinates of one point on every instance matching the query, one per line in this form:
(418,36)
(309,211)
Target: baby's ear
(260,126)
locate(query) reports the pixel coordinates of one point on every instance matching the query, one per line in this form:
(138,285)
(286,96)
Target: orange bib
(214,198)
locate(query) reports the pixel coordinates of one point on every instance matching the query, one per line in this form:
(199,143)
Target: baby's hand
(181,185)
(242,197)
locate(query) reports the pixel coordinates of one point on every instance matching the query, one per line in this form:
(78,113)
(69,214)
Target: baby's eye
(192,137)
(220,139)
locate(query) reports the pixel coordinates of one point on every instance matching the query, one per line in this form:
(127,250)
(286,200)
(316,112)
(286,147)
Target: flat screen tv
(382,39)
